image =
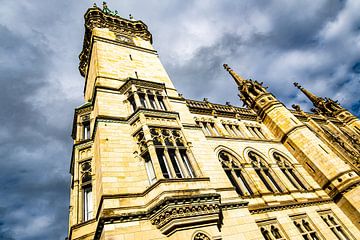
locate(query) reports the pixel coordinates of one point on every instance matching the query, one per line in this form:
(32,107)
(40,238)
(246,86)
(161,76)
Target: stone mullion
(293,180)
(165,100)
(202,124)
(277,180)
(152,152)
(169,163)
(228,130)
(236,130)
(303,181)
(251,130)
(250,182)
(148,105)
(242,184)
(258,182)
(193,162)
(137,99)
(157,104)
(182,166)
(268,180)
(280,178)
(238,184)
(258,133)
(208,125)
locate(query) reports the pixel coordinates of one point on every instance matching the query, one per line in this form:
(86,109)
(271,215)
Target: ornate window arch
(201,236)
(235,173)
(264,172)
(289,171)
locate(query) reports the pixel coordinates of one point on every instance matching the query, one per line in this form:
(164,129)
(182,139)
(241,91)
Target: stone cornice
(164,215)
(264,209)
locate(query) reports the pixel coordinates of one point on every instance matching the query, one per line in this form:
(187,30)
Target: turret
(332,173)
(331,108)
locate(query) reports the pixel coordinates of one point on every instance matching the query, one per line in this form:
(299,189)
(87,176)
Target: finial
(131,17)
(314,99)
(239,80)
(94,5)
(297,85)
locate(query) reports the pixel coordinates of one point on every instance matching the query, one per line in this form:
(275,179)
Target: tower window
(132,103)
(149,168)
(86,185)
(143,100)
(86,130)
(88,205)
(161,103)
(171,154)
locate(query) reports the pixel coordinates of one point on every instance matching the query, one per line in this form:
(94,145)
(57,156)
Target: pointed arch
(288,169)
(235,173)
(220,148)
(264,171)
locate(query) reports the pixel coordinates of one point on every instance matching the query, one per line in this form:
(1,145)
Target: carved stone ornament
(180,212)
(201,236)
(97,18)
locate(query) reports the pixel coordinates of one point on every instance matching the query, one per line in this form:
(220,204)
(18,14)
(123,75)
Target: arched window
(271,232)
(201,236)
(264,172)
(289,171)
(86,185)
(235,173)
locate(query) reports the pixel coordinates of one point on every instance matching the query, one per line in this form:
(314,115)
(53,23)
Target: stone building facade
(148,163)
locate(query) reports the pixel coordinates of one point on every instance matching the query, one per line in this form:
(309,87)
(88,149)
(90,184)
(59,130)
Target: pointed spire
(238,79)
(310,95)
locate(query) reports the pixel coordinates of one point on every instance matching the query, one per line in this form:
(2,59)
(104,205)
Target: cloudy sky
(316,43)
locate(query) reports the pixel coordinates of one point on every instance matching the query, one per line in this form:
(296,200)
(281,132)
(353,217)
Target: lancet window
(86,186)
(306,228)
(335,226)
(233,130)
(85,127)
(171,154)
(289,171)
(209,128)
(256,132)
(236,174)
(149,99)
(271,231)
(264,173)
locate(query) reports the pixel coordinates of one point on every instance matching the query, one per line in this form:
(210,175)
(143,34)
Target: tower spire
(313,98)
(238,79)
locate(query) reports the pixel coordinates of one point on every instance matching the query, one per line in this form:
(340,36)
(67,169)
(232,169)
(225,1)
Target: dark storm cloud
(278,42)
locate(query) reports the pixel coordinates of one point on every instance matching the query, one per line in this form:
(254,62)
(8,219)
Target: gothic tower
(150,164)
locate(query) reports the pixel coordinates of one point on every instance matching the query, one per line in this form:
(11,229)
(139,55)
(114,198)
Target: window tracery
(305,227)
(235,173)
(335,226)
(140,97)
(86,185)
(271,230)
(289,171)
(171,153)
(264,173)
(201,236)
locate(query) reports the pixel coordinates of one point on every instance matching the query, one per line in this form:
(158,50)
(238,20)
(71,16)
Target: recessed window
(86,130)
